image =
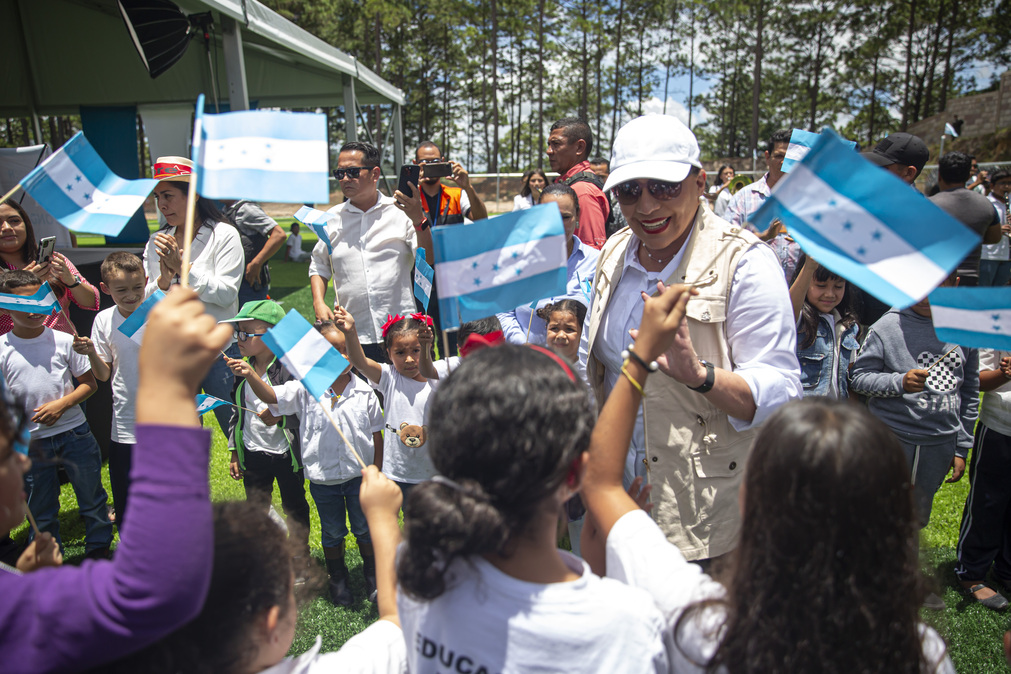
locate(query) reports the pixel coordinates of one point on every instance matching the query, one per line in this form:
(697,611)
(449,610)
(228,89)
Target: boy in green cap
(264,445)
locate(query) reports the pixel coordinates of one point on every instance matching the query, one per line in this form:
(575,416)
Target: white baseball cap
(660,147)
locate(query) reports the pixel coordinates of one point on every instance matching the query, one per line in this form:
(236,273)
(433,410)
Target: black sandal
(997,602)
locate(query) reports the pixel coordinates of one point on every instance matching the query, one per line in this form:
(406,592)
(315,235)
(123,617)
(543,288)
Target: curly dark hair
(404,326)
(506,426)
(825,577)
(807,330)
(252,573)
(568,305)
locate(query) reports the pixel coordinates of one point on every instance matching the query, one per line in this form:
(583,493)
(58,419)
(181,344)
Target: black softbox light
(160,31)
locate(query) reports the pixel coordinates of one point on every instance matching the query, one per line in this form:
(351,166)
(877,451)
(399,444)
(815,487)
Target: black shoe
(98,553)
(340,593)
(369,570)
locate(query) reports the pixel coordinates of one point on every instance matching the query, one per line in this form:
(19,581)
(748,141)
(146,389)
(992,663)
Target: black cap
(899,148)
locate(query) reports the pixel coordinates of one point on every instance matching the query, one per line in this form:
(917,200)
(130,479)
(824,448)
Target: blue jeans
(78,452)
(332,501)
(994,272)
(218,383)
(248,293)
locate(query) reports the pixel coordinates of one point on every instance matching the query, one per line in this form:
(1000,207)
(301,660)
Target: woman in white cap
(730,366)
(216,262)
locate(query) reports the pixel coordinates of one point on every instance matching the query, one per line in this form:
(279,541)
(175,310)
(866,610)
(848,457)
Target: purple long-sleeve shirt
(72,618)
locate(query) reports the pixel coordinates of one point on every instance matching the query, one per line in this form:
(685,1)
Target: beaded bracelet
(631,379)
(652,366)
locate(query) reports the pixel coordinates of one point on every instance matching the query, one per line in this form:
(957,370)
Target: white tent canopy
(63,54)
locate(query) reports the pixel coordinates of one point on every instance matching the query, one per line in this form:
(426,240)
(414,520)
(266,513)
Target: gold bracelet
(631,379)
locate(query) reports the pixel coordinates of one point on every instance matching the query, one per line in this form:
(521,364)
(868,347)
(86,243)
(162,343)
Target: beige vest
(694,458)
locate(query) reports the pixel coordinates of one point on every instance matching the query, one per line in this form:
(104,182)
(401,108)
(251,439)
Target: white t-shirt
(112,346)
(325,456)
(295,241)
(405,440)
(256,435)
(38,371)
(444,366)
(489,621)
(378,649)
(639,554)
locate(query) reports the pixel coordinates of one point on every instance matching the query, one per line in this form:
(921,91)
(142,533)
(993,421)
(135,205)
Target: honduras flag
(950,130)
(77,188)
(43,301)
(305,353)
(493,266)
(801,142)
(135,324)
(262,155)
(317,221)
(866,225)
(975,317)
(423,275)
(206,403)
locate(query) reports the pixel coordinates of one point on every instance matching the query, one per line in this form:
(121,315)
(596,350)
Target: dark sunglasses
(628,193)
(351,172)
(431,161)
(243,335)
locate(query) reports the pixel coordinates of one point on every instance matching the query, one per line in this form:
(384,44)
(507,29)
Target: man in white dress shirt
(374,241)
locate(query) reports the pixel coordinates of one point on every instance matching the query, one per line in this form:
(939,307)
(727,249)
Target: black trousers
(984,538)
(262,469)
(120,460)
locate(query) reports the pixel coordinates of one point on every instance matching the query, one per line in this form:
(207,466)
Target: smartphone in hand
(409,173)
(46,248)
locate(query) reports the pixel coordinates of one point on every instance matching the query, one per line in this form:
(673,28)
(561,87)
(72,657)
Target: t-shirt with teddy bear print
(405,447)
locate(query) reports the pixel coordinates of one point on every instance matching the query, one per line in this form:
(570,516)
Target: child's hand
(50,413)
(957,469)
(663,320)
(268,418)
(41,552)
(640,493)
(84,346)
(914,381)
(427,338)
(1005,367)
(379,494)
(233,466)
(239,367)
(344,321)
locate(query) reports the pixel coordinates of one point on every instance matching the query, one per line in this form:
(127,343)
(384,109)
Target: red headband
(555,357)
(476,342)
(390,320)
(424,318)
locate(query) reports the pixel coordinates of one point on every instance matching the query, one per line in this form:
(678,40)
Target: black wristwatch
(77,283)
(707,385)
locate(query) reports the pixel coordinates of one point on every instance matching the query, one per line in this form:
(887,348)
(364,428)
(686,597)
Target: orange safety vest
(449,207)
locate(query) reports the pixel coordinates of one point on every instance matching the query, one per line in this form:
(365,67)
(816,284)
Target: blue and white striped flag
(975,317)
(494,266)
(317,221)
(950,130)
(135,324)
(262,155)
(77,188)
(801,142)
(206,403)
(306,353)
(423,275)
(866,225)
(43,301)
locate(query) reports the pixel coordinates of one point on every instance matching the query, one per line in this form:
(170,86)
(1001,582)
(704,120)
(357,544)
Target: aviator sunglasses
(351,172)
(627,193)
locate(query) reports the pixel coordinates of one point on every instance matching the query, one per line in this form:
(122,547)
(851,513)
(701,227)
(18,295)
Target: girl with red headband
(407,341)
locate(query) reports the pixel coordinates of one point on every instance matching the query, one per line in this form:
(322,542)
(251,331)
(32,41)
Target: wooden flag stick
(11,193)
(530,324)
(337,428)
(35,527)
(191,207)
(941,358)
(333,277)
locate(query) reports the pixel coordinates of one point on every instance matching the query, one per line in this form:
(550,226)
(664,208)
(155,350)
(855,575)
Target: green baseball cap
(267,311)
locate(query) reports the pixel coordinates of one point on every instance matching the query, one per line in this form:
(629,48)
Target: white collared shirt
(760,329)
(325,456)
(373,263)
(216,267)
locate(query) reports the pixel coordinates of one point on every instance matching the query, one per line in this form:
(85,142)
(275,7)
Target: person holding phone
(446,205)
(19,249)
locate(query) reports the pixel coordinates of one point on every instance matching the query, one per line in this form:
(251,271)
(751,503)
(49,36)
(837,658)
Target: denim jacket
(816,360)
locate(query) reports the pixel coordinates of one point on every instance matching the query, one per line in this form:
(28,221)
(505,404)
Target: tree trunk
(617,71)
(904,124)
(599,41)
(946,82)
(874,96)
(928,105)
(691,61)
(816,75)
(540,75)
(757,89)
(584,61)
(493,166)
